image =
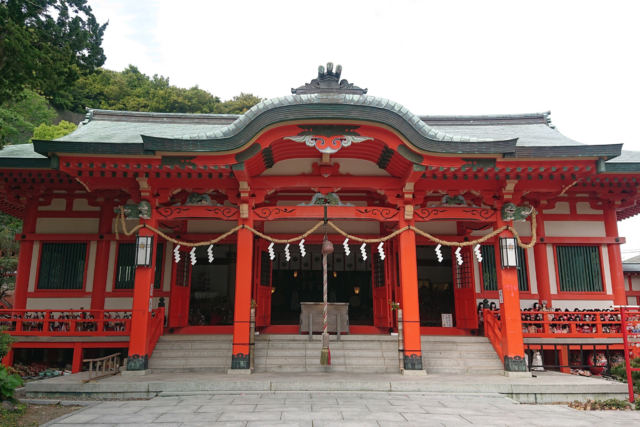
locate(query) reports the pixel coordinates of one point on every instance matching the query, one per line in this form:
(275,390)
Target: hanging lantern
(295,273)
(144,248)
(356,290)
(273,289)
(508,252)
(335,274)
(327,247)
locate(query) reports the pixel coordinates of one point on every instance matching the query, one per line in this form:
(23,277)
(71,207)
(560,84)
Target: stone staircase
(448,354)
(295,353)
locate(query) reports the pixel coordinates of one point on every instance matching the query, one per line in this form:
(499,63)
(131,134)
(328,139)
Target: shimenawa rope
(335,227)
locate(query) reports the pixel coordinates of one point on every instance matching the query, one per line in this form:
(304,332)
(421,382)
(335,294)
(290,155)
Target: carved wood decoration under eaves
(329,82)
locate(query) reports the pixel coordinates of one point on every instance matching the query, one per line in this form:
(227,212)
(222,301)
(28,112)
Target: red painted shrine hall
(368,164)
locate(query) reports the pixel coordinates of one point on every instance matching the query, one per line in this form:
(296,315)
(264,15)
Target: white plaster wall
(551,262)
(82,205)
(67,225)
(606,268)
(56,205)
(523,228)
(585,208)
(299,227)
(91,266)
(527,303)
(482,232)
(574,229)
(356,167)
(124,303)
(561,208)
(632,301)
(581,304)
(531,268)
(635,283)
(626,283)
(209,226)
(439,228)
(129,223)
(58,303)
(168,264)
(33,270)
(111,265)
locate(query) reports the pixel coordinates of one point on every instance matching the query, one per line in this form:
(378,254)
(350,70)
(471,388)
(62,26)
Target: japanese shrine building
(377,166)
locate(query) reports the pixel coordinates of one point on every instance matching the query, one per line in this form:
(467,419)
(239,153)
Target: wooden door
(381,307)
(262,283)
(180,291)
(464,290)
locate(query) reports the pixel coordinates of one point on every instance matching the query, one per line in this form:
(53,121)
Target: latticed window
(182,271)
(126,267)
(579,268)
(265,269)
(378,272)
(62,266)
(488,264)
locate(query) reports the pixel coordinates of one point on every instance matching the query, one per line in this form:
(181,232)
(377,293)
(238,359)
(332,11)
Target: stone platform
(547,387)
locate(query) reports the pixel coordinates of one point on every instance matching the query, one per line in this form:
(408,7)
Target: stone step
(446,370)
(453,338)
(456,347)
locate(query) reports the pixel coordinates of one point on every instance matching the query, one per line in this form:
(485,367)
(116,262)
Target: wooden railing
(586,324)
(104,367)
(156,328)
(66,322)
(493,331)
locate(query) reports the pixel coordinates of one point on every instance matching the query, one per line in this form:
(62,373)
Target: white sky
(578,59)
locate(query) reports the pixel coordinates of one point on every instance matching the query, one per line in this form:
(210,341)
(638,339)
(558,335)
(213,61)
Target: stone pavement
(339,410)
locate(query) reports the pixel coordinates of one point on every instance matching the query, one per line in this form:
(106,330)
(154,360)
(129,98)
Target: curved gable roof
(334,106)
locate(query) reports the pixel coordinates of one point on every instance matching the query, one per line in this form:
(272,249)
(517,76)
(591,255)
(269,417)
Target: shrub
(6,341)
(8,384)
(620,372)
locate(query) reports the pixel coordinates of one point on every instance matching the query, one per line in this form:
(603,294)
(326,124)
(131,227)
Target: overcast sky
(578,59)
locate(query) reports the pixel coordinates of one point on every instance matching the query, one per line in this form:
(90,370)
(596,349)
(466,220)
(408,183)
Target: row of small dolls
(61,325)
(529,328)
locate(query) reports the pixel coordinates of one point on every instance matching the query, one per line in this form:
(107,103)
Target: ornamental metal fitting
(329,82)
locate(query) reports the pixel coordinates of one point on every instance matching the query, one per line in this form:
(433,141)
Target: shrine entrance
(299,279)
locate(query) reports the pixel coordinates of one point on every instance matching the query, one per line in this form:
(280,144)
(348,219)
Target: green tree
(132,90)
(18,119)
(9,250)
(240,104)
(49,132)
(47,45)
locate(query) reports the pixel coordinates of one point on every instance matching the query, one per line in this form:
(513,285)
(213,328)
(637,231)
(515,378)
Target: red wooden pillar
(409,298)
(615,257)
(102,258)
(7,360)
(542,263)
(242,305)
(509,294)
(138,359)
(26,254)
(76,364)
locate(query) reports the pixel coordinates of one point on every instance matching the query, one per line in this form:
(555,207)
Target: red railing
(156,328)
(47,323)
(585,324)
(631,336)
(493,331)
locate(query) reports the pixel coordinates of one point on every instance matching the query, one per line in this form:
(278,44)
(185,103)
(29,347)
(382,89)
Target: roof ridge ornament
(329,82)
